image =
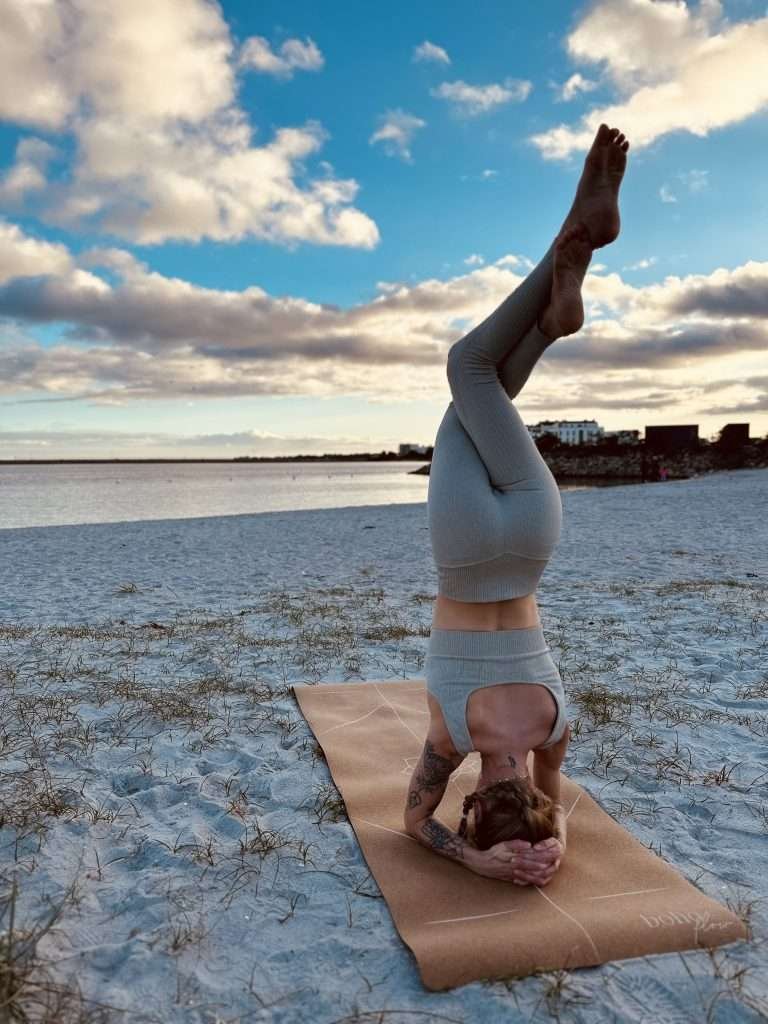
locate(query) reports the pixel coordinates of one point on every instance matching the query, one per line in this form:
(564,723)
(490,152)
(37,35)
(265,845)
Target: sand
(154,756)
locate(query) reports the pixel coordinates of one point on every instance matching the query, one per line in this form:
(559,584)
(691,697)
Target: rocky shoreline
(569,462)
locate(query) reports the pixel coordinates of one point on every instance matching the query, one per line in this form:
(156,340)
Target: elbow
(412,826)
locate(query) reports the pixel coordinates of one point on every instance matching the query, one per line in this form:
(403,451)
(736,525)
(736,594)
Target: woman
(495,516)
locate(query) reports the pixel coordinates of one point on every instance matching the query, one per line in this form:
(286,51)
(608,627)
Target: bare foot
(565,312)
(597,196)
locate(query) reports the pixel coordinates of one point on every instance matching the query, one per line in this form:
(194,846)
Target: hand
(535,865)
(518,861)
(498,862)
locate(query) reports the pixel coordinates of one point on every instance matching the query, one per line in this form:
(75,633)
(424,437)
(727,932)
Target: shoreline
(567,485)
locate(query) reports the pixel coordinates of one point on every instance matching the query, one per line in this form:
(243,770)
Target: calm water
(57,495)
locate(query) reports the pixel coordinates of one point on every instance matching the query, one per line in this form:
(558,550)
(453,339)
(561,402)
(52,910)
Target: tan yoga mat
(610,899)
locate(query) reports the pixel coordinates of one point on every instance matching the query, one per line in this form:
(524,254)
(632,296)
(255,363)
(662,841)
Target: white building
(568,431)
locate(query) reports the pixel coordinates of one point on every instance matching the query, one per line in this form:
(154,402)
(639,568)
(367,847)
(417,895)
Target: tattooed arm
(426,789)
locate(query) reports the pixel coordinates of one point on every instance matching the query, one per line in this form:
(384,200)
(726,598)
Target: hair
(513,808)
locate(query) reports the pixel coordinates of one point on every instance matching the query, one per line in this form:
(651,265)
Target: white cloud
(69,442)
(22,256)
(484,175)
(430,52)
(675,68)
(471,100)
(295,55)
(641,264)
(33,87)
(28,172)
(396,131)
(576,83)
(508,261)
(163,151)
(151,337)
(475,260)
(666,194)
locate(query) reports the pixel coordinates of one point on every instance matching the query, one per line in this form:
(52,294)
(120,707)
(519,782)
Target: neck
(503,766)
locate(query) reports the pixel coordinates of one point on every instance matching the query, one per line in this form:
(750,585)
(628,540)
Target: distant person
(662,472)
(495,516)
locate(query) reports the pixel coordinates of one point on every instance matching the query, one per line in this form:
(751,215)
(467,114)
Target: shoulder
(556,752)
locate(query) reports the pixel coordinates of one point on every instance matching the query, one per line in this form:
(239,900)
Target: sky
(256,229)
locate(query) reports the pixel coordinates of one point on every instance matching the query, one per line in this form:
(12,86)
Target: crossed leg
(489,366)
(494,360)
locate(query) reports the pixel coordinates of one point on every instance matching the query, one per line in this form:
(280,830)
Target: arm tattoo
(427,787)
(432,772)
(512,761)
(442,840)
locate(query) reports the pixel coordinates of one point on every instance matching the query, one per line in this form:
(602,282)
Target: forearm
(436,837)
(546,777)
(561,824)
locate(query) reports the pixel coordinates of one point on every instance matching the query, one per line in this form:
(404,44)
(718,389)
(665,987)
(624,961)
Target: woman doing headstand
(495,516)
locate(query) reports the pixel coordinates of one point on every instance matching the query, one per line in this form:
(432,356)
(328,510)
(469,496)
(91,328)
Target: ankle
(547,325)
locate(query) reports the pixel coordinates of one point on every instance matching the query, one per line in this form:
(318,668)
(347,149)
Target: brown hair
(513,808)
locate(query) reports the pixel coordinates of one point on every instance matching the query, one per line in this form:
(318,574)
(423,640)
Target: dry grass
(71,695)
(28,991)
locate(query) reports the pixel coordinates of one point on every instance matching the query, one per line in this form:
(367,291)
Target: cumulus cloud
(475,260)
(295,55)
(471,100)
(574,85)
(27,174)
(427,51)
(396,131)
(509,261)
(162,149)
(151,337)
(24,256)
(662,57)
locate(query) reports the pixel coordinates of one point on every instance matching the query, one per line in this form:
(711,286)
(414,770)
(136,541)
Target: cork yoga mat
(611,898)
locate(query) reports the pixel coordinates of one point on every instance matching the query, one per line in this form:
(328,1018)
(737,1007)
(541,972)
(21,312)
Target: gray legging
(493,506)
(494,511)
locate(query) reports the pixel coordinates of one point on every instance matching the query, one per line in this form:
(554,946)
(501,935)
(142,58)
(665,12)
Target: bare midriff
(515,613)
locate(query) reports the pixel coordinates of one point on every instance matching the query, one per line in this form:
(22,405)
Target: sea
(74,493)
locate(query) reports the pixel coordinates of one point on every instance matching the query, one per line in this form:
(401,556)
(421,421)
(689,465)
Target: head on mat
(511,808)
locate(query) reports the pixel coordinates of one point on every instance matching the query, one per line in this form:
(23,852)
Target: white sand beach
(166,804)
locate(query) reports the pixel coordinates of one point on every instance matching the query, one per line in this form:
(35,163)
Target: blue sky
(235,229)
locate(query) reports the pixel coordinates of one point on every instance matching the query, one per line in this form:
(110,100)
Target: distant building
(416,449)
(624,436)
(568,431)
(672,438)
(734,435)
